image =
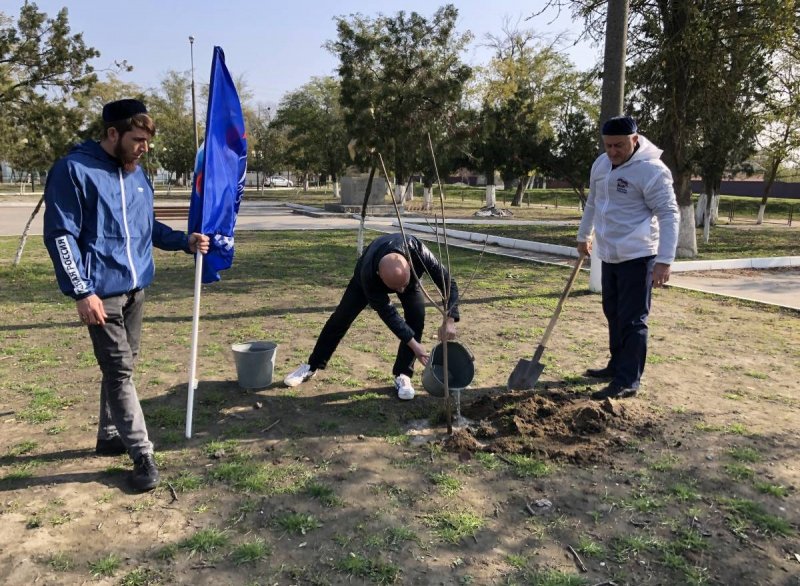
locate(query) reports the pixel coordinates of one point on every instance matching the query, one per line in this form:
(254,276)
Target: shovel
(527,372)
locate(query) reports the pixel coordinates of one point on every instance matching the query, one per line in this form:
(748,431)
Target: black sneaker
(145,473)
(110,447)
(601,373)
(614,391)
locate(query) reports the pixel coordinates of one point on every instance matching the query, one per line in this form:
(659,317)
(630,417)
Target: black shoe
(145,473)
(601,373)
(614,391)
(110,447)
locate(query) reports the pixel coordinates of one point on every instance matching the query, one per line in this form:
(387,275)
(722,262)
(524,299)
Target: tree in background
(525,86)
(170,106)
(44,72)
(740,42)
(314,124)
(573,150)
(399,75)
(670,77)
(780,137)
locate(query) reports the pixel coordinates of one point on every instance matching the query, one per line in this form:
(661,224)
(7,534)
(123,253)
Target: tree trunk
(520,192)
(761,209)
(24,236)
(710,195)
(409,193)
(491,196)
(714,215)
(687,235)
(700,211)
(427,198)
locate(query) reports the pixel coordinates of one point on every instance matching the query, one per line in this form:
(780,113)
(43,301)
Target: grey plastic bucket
(255,363)
(460,366)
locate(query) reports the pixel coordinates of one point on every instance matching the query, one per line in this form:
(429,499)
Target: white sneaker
(298,376)
(404,389)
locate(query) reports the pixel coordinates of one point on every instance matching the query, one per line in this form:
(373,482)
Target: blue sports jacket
(99,226)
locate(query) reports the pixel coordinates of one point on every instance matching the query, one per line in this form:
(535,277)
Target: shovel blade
(525,375)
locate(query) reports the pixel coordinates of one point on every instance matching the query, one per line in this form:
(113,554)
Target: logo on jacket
(622,185)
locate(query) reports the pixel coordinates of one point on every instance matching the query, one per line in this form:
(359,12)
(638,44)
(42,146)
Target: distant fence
(753,189)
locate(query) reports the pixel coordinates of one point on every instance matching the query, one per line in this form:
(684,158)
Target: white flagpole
(198,281)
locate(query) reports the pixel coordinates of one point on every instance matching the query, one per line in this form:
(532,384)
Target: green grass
(143,577)
(205,541)
(446,485)
(739,471)
(19,449)
(299,523)
(186,481)
(105,567)
(324,494)
(528,467)
(745,513)
(245,474)
(250,552)
(375,570)
(725,242)
(744,454)
(60,562)
(452,527)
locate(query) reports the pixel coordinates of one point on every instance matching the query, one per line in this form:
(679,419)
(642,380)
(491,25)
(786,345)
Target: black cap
(620,126)
(122,109)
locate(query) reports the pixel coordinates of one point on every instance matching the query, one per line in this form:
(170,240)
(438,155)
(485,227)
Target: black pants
(627,291)
(353,303)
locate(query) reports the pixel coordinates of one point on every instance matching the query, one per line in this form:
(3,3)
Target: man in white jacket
(634,214)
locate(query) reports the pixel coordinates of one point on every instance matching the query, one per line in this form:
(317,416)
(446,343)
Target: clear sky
(278,46)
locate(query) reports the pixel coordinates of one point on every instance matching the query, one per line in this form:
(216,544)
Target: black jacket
(424,263)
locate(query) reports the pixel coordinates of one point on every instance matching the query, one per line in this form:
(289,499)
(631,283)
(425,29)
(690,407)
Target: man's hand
(198,242)
(585,248)
(661,273)
(447,331)
(419,351)
(91,311)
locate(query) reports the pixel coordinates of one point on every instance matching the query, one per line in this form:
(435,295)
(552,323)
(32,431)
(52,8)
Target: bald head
(394,271)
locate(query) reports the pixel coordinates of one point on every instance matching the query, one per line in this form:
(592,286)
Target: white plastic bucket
(255,363)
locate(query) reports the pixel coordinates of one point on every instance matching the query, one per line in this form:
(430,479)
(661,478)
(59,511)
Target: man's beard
(128,163)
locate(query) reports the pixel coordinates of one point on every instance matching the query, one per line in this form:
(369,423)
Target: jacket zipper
(127,232)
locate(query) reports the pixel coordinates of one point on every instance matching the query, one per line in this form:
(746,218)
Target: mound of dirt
(552,424)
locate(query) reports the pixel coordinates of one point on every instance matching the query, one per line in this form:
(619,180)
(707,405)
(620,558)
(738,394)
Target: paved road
(773,287)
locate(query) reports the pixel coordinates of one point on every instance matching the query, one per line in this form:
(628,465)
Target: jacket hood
(92,148)
(646,151)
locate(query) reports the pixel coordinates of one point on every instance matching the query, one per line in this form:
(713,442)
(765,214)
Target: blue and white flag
(220,169)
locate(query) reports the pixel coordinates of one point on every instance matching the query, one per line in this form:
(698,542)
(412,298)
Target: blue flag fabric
(220,168)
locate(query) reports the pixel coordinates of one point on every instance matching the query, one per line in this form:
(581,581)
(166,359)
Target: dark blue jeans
(627,291)
(352,304)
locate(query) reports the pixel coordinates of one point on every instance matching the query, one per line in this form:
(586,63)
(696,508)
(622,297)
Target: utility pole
(614,60)
(613,96)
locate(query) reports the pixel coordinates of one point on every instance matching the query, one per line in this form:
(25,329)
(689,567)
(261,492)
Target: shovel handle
(559,305)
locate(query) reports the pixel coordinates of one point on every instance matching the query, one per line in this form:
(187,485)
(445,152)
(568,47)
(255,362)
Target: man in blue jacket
(632,210)
(100,230)
(390,264)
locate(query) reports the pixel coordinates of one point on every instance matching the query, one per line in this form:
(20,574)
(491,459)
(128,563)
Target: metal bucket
(460,366)
(255,363)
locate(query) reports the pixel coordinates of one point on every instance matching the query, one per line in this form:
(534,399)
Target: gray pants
(116,345)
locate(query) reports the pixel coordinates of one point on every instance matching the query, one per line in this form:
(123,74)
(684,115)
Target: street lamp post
(194,107)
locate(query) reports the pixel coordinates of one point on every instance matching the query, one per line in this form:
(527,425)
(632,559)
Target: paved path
(772,287)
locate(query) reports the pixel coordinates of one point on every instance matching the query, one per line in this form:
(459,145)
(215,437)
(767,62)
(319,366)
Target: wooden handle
(560,304)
